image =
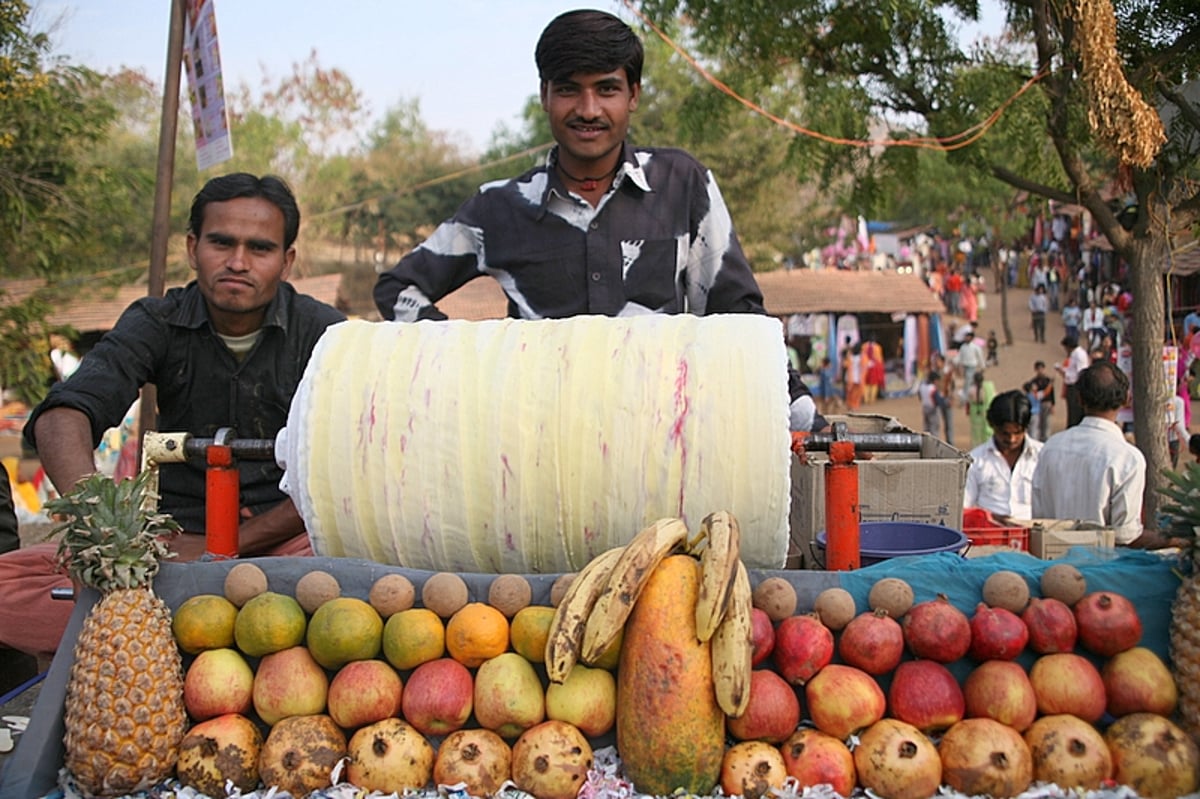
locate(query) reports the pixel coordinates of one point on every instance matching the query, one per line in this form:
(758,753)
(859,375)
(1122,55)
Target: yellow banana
(718,566)
(571,615)
(733,648)
(641,556)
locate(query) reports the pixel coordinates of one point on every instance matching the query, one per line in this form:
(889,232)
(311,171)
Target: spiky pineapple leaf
(110,535)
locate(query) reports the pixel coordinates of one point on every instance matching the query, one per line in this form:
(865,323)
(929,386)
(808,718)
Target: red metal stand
(221,499)
(842,549)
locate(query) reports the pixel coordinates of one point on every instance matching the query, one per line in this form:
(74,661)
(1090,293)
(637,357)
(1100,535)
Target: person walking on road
(1077,360)
(1038,306)
(1040,390)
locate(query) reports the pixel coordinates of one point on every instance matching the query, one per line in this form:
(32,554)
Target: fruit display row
(324,675)
(411,687)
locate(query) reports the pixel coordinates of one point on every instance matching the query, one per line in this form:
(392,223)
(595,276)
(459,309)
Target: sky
(469,63)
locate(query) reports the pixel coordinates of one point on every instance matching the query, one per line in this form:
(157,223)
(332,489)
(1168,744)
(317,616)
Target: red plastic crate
(983,529)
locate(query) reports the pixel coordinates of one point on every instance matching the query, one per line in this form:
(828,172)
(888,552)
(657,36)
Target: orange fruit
(204,621)
(269,622)
(475,633)
(528,631)
(412,637)
(343,630)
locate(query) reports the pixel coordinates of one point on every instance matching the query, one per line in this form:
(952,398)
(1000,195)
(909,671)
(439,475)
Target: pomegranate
(813,758)
(803,645)
(1065,682)
(752,769)
(1137,680)
(1153,756)
(772,713)
(1108,623)
(762,635)
(996,634)
(937,630)
(985,757)
(896,760)
(1000,690)
(1051,625)
(1068,752)
(842,699)
(926,695)
(872,641)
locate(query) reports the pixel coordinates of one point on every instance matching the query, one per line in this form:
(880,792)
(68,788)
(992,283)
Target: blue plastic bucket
(883,540)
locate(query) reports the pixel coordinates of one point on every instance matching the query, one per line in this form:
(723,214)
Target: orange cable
(958,141)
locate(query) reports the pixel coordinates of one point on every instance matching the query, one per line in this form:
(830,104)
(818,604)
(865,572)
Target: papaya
(670,730)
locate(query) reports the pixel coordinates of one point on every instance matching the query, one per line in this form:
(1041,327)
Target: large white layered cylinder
(514,446)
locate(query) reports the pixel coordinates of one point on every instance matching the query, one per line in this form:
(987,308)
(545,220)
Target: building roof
(804,291)
(99,311)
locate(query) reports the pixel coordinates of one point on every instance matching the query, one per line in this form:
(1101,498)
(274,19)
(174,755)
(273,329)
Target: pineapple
(1182,516)
(124,712)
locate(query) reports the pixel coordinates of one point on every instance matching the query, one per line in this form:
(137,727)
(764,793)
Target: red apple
(363,692)
(772,713)
(438,697)
(218,682)
(843,699)
(1000,690)
(289,683)
(815,758)
(762,633)
(1137,681)
(1065,682)
(926,695)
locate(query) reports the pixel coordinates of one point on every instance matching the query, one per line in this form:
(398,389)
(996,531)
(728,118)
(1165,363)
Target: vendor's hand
(1155,539)
(187,546)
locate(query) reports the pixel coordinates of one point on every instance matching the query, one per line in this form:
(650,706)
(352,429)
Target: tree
(1085,79)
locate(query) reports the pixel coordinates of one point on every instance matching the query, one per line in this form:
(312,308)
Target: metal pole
(164,176)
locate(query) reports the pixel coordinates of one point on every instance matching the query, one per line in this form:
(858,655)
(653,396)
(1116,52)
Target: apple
(587,699)
(1000,690)
(218,682)
(925,694)
(1065,682)
(842,700)
(363,692)
(289,683)
(508,695)
(762,634)
(772,713)
(1137,681)
(438,696)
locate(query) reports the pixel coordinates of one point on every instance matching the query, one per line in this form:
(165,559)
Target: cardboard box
(1051,538)
(925,486)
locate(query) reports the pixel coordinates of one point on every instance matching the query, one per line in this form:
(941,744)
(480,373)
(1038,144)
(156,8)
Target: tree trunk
(1150,386)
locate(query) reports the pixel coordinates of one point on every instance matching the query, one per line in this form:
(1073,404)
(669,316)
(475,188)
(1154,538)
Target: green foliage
(25,367)
(112,535)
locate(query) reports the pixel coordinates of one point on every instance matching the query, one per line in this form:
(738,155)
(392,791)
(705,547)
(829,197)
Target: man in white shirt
(1077,360)
(971,359)
(1001,475)
(1090,472)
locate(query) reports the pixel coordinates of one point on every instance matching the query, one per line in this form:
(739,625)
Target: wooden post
(164,177)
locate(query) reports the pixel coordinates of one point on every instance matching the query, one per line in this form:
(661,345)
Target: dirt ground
(1014,369)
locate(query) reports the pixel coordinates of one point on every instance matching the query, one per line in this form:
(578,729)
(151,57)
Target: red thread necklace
(588,183)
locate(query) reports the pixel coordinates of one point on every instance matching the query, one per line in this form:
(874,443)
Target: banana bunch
(599,600)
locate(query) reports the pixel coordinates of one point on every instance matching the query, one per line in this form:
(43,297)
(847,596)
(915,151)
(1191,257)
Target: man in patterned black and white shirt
(602,227)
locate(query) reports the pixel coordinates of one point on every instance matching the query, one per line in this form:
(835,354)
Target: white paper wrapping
(514,446)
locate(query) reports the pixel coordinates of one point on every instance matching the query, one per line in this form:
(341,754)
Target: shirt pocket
(649,268)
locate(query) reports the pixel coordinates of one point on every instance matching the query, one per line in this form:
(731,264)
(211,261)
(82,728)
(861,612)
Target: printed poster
(206,89)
